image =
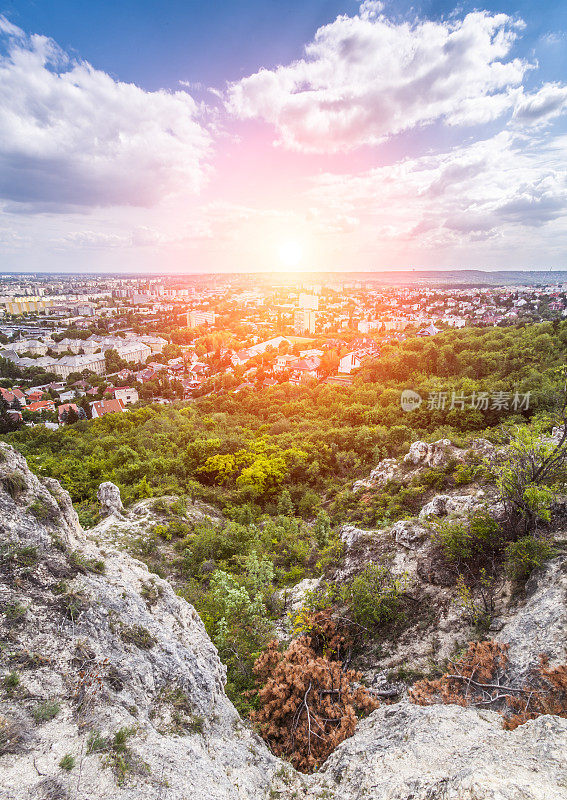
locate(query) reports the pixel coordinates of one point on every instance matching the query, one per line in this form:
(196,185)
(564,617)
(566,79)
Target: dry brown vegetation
(309,700)
(482,677)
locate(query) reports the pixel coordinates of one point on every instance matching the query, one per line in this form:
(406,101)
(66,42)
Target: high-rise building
(308,301)
(304,321)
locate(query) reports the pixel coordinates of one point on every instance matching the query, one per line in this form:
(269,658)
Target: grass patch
(85,564)
(67,762)
(46,711)
(15,484)
(138,635)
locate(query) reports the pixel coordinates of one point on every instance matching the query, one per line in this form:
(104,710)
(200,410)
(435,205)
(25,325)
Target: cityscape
(78,347)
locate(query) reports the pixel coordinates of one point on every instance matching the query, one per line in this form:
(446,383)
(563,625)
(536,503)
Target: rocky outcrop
(409,533)
(422,456)
(436,454)
(444,504)
(406,752)
(110,501)
(99,646)
(539,625)
(387,470)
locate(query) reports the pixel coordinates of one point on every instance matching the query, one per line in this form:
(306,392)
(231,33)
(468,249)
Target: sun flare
(291,254)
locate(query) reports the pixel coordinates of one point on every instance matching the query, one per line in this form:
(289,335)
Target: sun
(290,253)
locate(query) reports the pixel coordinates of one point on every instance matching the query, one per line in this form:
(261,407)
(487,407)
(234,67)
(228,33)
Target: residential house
(431,330)
(240,357)
(349,362)
(64,409)
(304,369)
(7,395)
(126,395)
(20,396)
(42,406)
(99,409)
(145,375)
(284,362)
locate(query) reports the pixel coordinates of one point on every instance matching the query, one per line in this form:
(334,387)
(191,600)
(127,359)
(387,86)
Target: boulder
(111,646)
(295,597)
(350,534)
(540,624)
(443,504)
(387,470)
(444,752)
(409,533)
(109,498)
(437,454)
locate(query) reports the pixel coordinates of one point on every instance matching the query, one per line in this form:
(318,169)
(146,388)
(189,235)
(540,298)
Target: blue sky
(190,137)
(156,44)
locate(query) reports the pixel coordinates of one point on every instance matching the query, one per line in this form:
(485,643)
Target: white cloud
(72,136)
(506,183)
(542,106)
(365,78)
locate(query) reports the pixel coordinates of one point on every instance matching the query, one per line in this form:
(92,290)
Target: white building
(196,318)
(126,395)
(349,362)
(309,302)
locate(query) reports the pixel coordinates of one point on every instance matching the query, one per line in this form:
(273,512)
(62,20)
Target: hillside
(112,688)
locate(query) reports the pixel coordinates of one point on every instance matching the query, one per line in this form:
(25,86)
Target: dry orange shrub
(308,699)
(480,677)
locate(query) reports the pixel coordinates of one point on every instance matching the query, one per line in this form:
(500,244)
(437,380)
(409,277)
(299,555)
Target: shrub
(464,474)
(529,473)
(195,724)
(375,596)
(15,612)
(119,756)
(72,603)
(524,555)
(26,556)
(11,682)
(46,711)
(85,564)
(43,511)
(96,743)
(481,677)
(12,735)
(473,538)
(308,703)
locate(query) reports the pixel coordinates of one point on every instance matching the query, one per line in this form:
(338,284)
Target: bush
(11,682)
(15,612)
(12,735)
(375,596)
(526,554)
(43,511)
(308,702)
(479,677)
(475,537)
(85,564)
(529,473)
(138,635)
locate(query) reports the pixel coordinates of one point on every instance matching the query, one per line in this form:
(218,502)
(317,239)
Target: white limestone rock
(108,495)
